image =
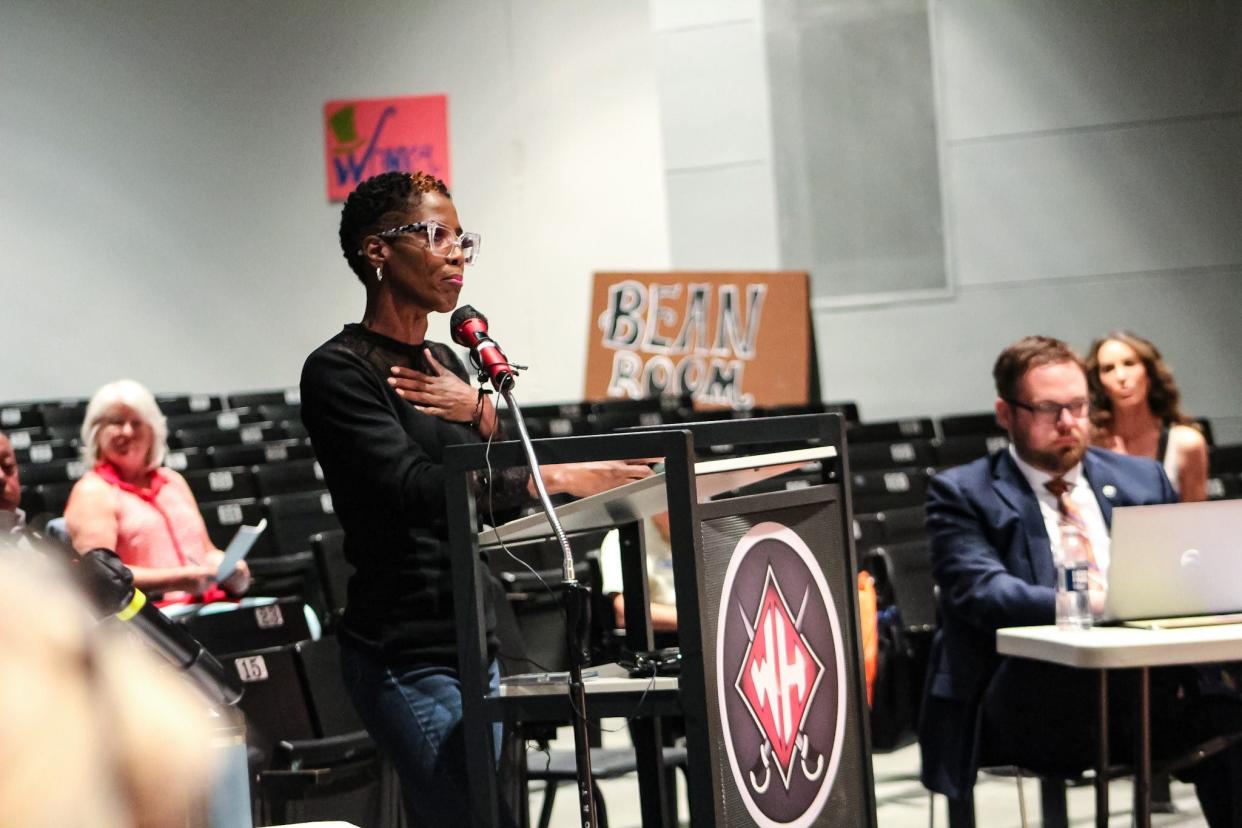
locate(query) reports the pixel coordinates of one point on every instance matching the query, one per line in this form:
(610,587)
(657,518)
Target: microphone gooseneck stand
(578,620)
(469,328)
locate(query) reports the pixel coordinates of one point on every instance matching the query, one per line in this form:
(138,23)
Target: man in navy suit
(995,527)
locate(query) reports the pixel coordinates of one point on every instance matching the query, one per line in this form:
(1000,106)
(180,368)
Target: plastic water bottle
(1073,595)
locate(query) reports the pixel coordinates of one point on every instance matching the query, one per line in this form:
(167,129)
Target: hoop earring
(379,273)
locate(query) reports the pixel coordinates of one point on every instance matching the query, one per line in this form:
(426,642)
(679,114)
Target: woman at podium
(381,402)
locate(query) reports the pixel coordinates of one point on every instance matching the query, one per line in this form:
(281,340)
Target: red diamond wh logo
(779,676)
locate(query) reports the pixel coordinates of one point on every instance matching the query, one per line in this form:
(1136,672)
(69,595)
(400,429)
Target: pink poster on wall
(367,136)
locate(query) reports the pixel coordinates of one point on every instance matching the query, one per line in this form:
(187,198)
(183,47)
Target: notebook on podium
(1176,565)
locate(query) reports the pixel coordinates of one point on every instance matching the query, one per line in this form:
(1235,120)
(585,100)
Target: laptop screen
(1176,559)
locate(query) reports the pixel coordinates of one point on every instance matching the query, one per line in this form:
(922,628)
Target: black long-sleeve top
(381,460)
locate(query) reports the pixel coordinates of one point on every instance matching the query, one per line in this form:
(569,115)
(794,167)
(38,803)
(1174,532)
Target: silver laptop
(1176,561)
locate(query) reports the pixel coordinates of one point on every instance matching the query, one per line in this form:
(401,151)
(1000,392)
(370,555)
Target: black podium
(771,687)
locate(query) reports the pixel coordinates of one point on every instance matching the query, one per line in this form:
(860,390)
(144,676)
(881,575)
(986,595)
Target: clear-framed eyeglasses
(441,239)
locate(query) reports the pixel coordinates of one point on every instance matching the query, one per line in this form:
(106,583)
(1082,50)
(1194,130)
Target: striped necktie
(1071,519)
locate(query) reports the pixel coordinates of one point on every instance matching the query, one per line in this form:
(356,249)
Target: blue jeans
(413,712)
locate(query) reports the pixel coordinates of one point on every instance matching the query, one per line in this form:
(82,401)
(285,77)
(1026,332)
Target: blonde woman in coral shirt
(146,513)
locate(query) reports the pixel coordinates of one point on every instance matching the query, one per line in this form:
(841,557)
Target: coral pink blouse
(159,526)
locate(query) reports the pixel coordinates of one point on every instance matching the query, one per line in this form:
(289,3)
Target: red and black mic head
(469,329)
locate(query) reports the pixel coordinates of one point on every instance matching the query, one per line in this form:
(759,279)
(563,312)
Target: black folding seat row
(877,491)
(187,459)
(224,518)
(53,471)
(226,420)
(209,485)
(259,432)
(277,396)
(291,476)
(296,516)
(890,430)
(891,455)
(954,451)
(889,526)
(249,628)
(278,412)
(63,412)
(46,452)
(176,404)
(253,454)
(20,416)
(961,425)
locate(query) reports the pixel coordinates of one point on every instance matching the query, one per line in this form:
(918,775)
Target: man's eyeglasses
(1051,411)
(440,238)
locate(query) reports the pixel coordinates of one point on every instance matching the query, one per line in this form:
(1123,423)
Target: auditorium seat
(249,628)
(209,436)
(278,412)
(253,454)
(960,425)
(890,430)
(891,455)
(189,459)
(174,404)
(955,451)
(46,498)
(53,471)
(20,416)
(63,413)
(277,396)
(889,526)
(298,515)
(289,576)
(45,452)
(224,518)
(229,420)
(877,491)
(323,766)
(209,485)
(905,568)
(291,476)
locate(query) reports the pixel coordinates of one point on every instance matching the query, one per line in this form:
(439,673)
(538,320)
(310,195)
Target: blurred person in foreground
(128,502)
(996,528)
(1136,409)
(94,730)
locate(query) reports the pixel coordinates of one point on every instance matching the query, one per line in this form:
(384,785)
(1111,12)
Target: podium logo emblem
(781,672)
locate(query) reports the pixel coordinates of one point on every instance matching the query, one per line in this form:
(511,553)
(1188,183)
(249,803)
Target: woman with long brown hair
(1136,409)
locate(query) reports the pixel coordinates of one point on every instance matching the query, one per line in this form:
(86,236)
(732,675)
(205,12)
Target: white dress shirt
(1082,496)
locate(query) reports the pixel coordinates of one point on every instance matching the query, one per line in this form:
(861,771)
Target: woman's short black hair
(376,203)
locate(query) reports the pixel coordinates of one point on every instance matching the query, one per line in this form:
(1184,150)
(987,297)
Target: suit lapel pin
(1110,491)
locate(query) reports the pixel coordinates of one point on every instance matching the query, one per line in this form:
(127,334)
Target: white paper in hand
(238,548)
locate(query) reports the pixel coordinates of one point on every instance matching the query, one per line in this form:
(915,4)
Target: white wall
(164,199)
(1091,181)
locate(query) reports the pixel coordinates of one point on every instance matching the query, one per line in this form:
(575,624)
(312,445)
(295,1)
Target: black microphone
(469,328)
(110,585)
